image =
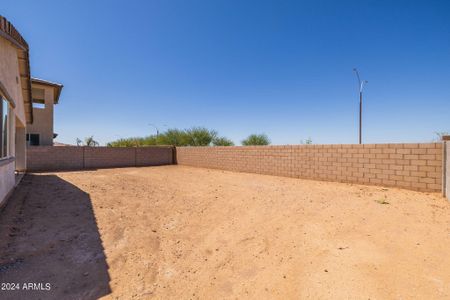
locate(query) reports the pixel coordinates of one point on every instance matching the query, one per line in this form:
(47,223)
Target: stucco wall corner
(446,170)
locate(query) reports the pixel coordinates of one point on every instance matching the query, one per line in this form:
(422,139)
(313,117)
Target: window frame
(7,128)
(28,139)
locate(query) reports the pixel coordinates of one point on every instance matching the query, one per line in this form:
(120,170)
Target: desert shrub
(195,136)
(122,143)
(134,142)
(256,140)
(150,140)
(200,136)
(174,137)
(222,141)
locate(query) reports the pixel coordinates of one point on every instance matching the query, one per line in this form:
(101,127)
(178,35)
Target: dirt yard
(185,233)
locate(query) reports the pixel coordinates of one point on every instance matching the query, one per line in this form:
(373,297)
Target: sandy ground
(177,232)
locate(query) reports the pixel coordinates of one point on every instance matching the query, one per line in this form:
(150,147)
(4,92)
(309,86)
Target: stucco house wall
(10,77)
(14,83)
(7,180)
(43,117)
(447,169)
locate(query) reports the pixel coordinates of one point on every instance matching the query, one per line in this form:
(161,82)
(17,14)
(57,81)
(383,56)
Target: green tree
(173,137)
(120,143)
(200,136)
(256,140)
(134,142)
(222,141)
(195,136)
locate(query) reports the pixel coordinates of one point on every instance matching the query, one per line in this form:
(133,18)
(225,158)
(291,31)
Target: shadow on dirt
(50,245)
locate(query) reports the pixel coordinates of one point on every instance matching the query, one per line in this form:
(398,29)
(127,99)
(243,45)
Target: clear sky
(279,67)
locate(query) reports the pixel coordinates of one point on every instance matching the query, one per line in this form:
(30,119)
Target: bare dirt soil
(177,232)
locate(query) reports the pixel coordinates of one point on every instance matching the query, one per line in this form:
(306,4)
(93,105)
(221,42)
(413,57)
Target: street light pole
(360,117)
(361,86)
(157,130)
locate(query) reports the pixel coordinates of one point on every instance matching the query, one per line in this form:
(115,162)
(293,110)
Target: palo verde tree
(256,140)
(173,137)
(200,136)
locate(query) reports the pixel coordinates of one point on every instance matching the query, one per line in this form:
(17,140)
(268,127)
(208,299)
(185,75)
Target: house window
(4,128)
(38,105)
(33,139)
(38,96)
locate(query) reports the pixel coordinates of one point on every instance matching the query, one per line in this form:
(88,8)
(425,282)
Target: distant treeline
(196,136)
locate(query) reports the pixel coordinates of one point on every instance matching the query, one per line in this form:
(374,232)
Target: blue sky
(279,67)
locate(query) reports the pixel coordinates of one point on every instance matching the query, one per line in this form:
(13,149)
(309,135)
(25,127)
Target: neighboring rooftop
(57,86)
(58,144)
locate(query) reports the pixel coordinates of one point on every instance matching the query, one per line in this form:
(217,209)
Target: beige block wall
(154,156)
(48,158)
(108,157)
(411,166)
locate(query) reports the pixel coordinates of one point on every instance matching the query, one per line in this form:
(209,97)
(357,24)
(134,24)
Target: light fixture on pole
(361,86)
(157,130)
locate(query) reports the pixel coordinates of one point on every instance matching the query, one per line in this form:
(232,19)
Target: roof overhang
(9,32)
(57,86)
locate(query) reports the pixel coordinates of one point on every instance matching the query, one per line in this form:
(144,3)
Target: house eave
(10,33)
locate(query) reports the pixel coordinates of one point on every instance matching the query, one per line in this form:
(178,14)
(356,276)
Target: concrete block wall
(49,158)
(108,157)
(410,166)
(154,156)
(413,166)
